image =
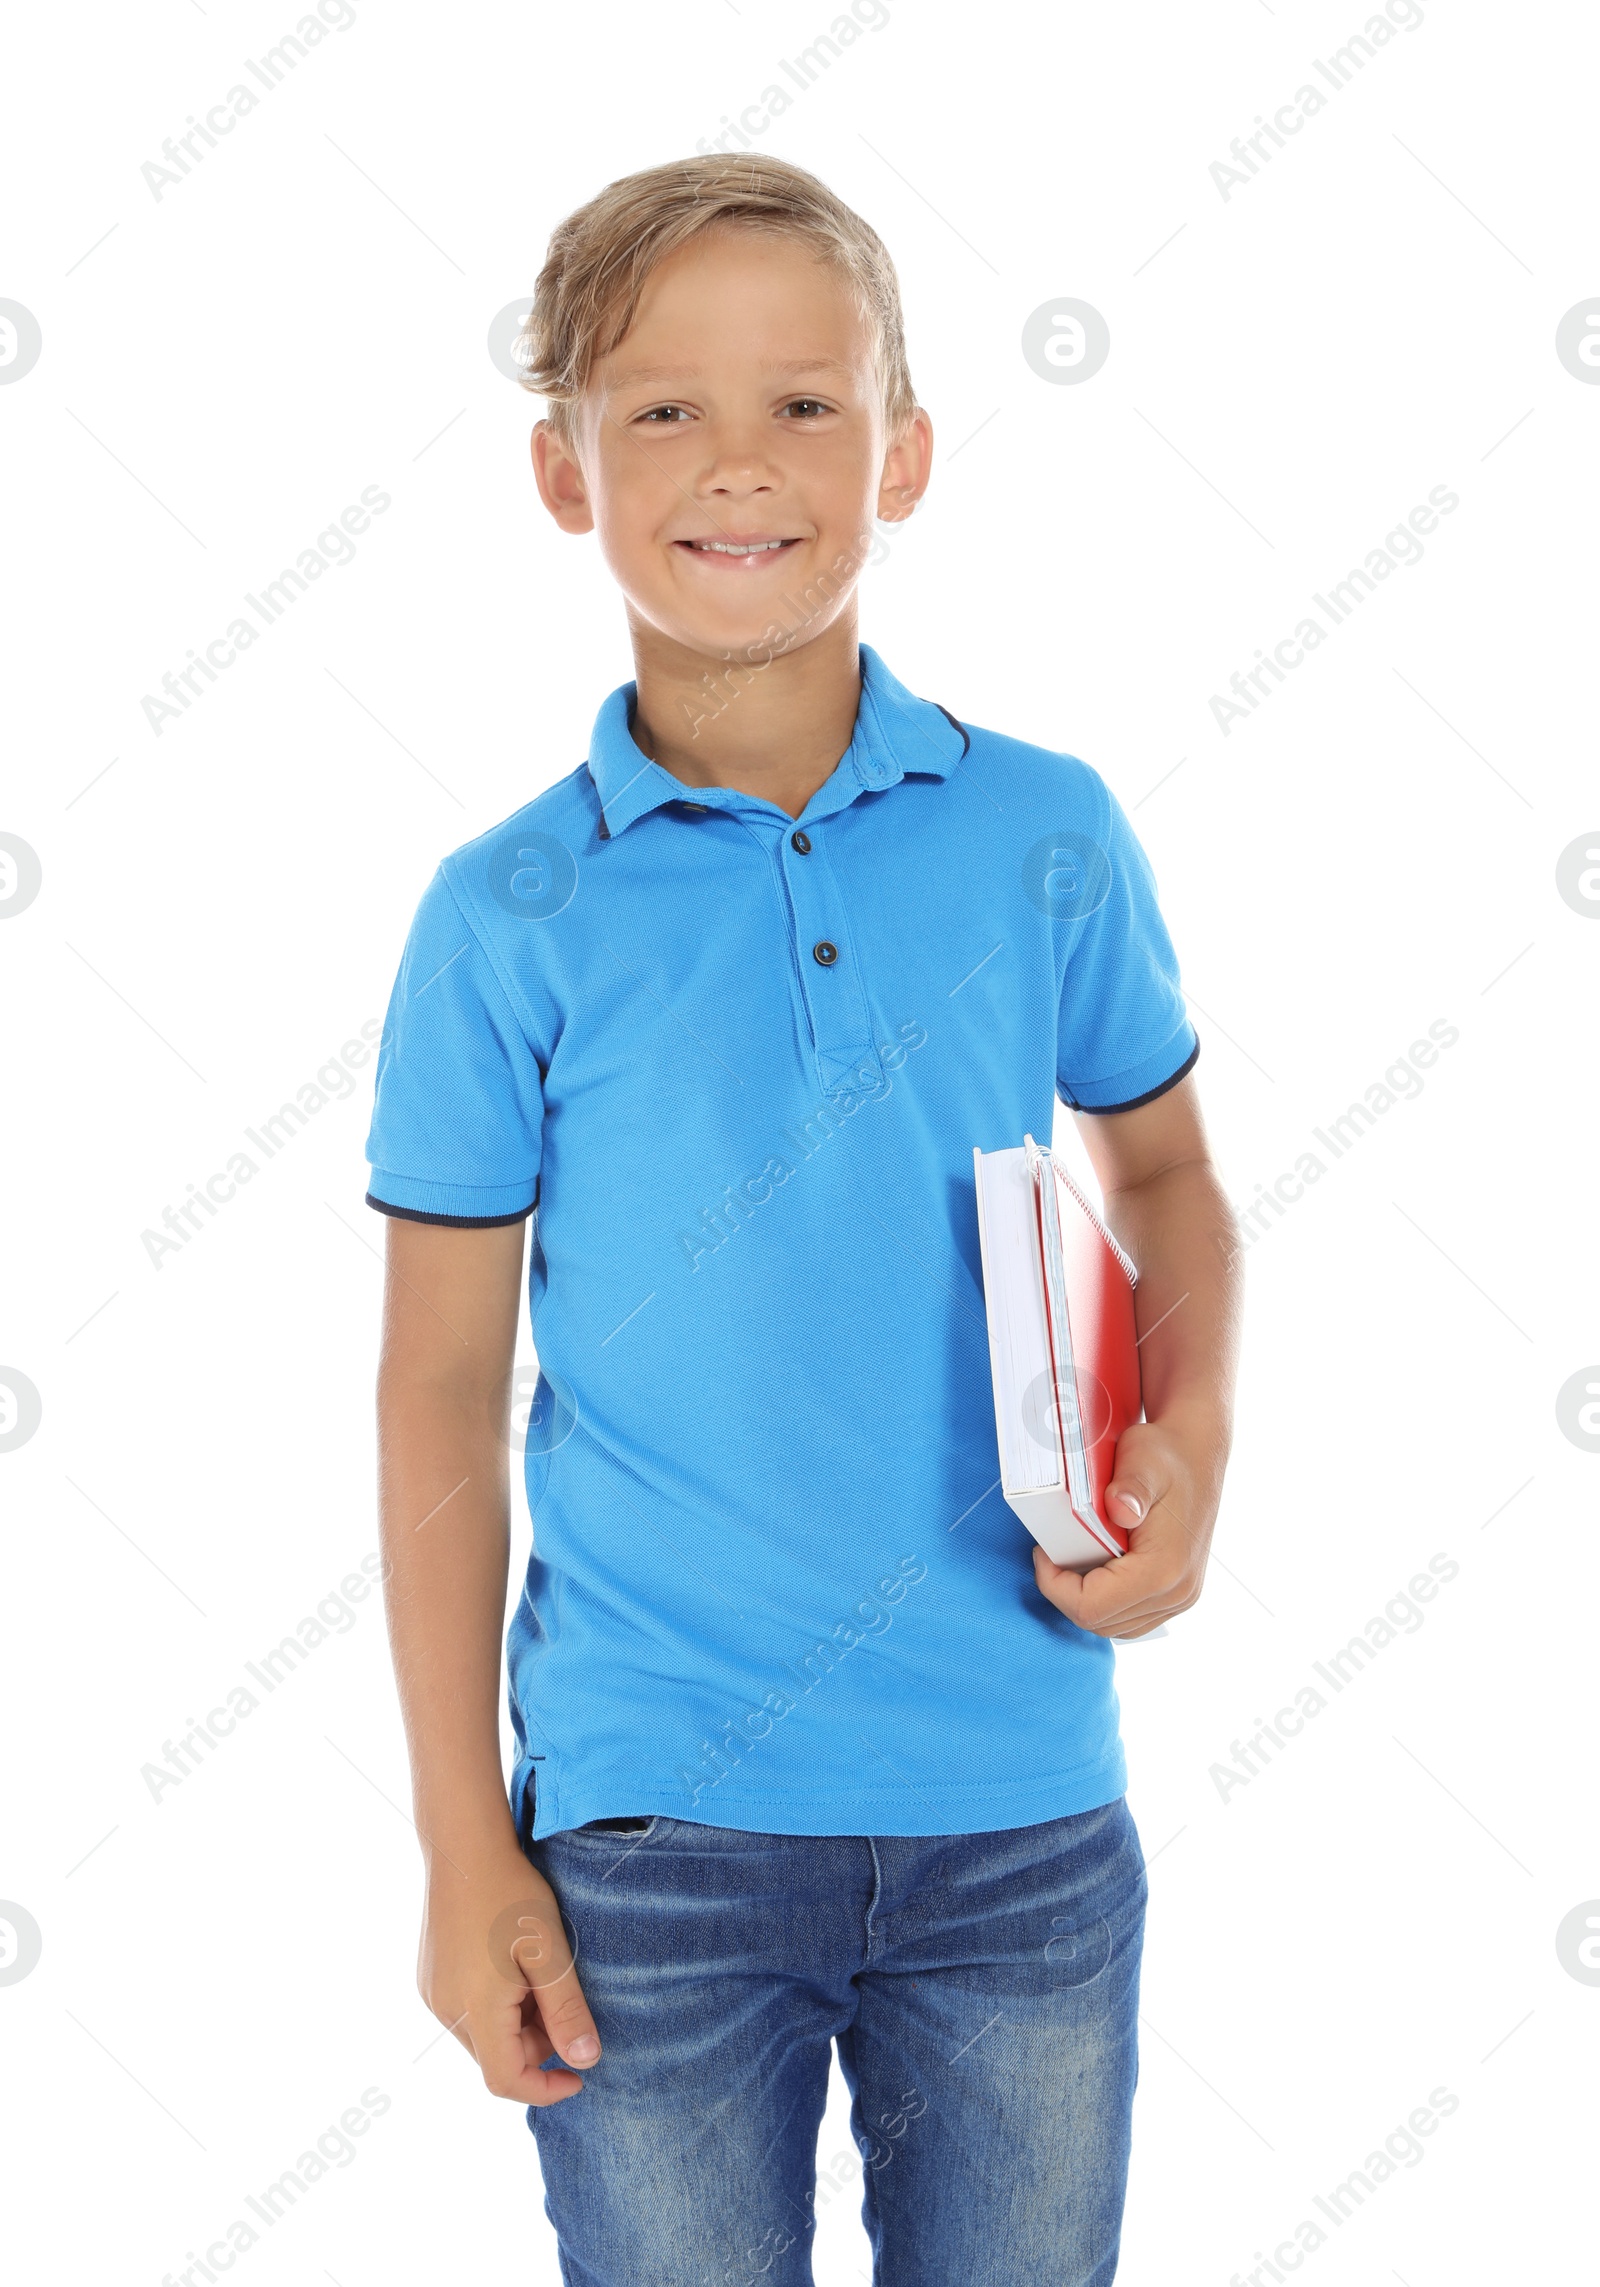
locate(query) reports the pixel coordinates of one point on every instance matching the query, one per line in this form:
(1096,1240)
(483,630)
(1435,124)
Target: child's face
(742,404)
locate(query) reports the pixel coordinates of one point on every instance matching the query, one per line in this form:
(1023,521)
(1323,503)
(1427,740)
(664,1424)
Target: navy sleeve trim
(455,1222)
(1150,1094)
(966,736)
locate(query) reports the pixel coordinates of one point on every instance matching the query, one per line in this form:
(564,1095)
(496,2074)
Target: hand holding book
(1112,1500)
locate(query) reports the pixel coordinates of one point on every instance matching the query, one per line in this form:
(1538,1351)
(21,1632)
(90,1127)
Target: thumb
(529,1945)
(567,2020)
(1130,1497)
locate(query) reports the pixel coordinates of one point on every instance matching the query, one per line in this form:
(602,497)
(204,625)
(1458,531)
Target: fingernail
(1135,1504)
(584,2049)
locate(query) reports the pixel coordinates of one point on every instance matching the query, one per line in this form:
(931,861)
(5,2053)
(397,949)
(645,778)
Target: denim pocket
(634,1827)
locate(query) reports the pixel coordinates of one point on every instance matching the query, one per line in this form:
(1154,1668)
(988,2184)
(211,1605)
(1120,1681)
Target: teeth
(732,548)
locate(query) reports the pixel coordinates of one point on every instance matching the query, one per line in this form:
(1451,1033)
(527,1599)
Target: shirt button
(800,840)
(825,952)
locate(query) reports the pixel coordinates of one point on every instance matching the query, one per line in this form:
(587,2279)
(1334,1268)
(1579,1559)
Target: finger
(508,2043)
(1115,1622)
(528,1943)
(1057,1584)
(1163,1546)
(1161,1601)
(542,2089)
(1130,1499)
(1122,1589)
(531,1951)
(565,2016)
(1140,1479)
(1168,1585)
(1148,1627)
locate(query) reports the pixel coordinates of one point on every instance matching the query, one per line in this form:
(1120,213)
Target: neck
(777,731)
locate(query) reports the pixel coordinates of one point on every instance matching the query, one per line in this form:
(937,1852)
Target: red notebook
(1063,1350)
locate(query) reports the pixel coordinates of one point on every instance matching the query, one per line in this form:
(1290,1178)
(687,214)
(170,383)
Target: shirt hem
(981,1808)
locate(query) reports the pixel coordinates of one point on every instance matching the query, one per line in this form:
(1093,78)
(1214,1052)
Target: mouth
(760,548)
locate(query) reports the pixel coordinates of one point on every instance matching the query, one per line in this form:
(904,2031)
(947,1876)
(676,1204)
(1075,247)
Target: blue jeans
(983,1992)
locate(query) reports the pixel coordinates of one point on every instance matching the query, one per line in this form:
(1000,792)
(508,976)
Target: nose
(738,461)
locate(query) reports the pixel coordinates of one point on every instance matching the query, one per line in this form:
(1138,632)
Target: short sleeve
(1124,1034)
(455,1135)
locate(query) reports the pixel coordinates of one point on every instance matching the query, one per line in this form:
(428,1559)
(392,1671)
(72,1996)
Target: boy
(812,1746)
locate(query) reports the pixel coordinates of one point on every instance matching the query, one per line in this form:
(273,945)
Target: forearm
(445,1525)
(1179,1228)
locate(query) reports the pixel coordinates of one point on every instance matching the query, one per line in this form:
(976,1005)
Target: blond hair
(600,256)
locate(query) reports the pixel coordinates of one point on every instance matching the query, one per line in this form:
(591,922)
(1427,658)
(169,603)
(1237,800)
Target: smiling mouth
(737,549)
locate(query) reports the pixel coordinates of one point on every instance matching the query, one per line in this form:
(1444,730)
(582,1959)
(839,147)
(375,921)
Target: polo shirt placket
(827,966)
(827,970)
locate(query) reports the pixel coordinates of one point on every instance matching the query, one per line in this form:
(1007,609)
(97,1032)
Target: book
(1063,1350)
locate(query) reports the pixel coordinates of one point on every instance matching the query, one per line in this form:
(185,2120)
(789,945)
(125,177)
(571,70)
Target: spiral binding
(1039,1157)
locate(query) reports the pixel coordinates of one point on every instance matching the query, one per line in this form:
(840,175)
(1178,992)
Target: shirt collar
(895,733)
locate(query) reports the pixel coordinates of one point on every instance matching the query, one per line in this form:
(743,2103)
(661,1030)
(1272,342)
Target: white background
(1292,369)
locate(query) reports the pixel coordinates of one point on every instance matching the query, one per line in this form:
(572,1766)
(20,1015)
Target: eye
(652,411)
(815,404)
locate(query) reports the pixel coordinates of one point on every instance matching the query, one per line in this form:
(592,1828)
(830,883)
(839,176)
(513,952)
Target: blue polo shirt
(734,1064)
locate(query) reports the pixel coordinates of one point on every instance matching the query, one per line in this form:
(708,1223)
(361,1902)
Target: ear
(560,480)
(906,470)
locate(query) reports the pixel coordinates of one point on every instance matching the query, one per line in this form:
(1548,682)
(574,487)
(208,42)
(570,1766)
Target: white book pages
(1063,1395)
(1019,1341)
